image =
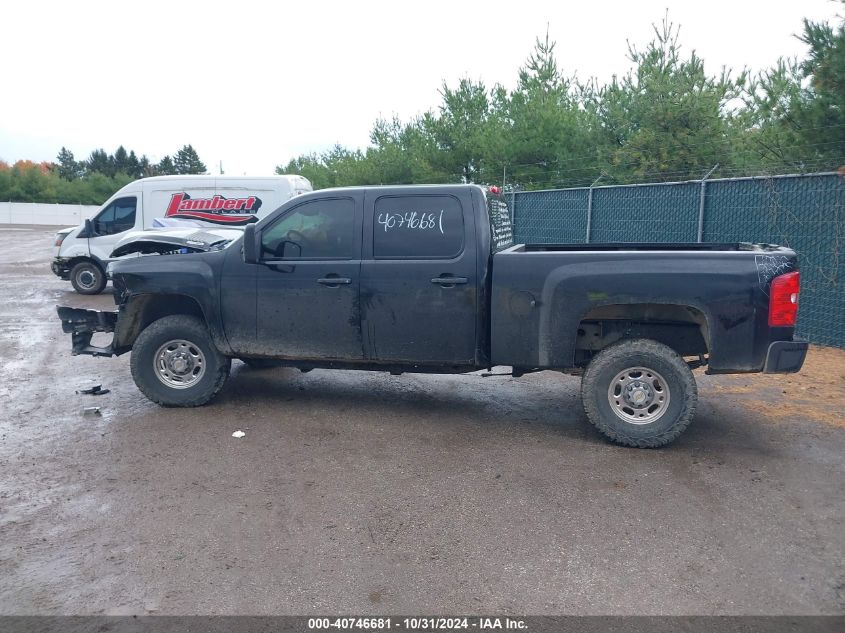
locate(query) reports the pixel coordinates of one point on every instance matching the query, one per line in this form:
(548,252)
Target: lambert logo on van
(218,210)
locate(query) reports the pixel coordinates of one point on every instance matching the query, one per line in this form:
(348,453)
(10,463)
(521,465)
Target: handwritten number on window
(411,220)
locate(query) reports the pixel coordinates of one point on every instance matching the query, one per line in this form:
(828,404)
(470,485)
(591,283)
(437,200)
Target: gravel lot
(361,492)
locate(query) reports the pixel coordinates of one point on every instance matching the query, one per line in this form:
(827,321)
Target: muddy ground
(361,492)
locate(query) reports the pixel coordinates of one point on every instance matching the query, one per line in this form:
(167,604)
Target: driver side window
(318,229)
(118,217)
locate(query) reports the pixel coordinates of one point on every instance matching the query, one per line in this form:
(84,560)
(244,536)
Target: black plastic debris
(96,390)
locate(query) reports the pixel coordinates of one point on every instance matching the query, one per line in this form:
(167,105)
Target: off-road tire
(151,340)
(616,358)
(80,275)
(262,363)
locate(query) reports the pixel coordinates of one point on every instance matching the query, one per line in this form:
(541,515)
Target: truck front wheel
(87,278)
(175,363)
(639,393)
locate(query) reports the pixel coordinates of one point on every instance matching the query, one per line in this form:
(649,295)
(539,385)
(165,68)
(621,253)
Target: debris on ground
(91,411)
(238,434)
(96,390)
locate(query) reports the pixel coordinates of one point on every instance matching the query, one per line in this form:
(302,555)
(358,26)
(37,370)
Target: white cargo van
(208,201)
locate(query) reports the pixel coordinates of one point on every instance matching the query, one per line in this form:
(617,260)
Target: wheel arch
(683,327)
(142,310)
(78,259)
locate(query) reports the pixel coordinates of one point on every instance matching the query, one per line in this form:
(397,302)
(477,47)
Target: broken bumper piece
(82,324)
(60,268)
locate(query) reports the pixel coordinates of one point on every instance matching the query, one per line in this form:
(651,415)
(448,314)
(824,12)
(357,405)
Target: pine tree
(145,168)
(187,161)
(121,160)
(665,119)
(68,168)
(133,165)
(100,162)
(165,167)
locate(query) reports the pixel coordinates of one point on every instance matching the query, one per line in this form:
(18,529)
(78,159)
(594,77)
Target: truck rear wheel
(88,278)
(639,393)
(175,363)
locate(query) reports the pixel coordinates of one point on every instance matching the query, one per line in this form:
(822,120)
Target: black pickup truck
(427,279)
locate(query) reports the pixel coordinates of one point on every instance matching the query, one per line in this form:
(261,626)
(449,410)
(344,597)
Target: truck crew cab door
(419,290)
(308,280)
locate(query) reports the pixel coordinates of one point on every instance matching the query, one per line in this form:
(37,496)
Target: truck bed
(546,298)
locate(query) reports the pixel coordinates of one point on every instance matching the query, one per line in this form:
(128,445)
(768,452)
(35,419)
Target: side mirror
(251,247)
(89,229)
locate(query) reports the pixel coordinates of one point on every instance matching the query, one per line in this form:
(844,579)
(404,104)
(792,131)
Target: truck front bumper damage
(785,357)
(82,324)
(60,268)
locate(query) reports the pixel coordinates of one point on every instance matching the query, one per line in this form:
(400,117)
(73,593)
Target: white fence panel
(46,214)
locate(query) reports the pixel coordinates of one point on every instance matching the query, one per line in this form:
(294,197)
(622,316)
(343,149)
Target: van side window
(318,229)
(418,226)
(118,217)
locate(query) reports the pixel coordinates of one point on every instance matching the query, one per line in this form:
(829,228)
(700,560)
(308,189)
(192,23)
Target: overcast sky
(253,84)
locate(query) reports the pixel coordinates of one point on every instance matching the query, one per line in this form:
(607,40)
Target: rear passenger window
(418,227)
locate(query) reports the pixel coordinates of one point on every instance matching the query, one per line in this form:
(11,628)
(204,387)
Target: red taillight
(783,300)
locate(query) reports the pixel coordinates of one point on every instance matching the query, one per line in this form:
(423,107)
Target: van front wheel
(87,278)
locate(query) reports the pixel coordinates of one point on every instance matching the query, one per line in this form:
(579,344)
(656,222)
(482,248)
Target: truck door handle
(334,281)
(449,281)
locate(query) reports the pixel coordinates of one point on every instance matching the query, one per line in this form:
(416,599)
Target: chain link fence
(803,212)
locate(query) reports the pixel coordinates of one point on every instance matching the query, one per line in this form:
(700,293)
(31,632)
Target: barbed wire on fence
(548,176)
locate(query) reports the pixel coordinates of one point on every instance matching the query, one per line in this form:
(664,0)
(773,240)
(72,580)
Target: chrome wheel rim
(179,364)
(638,395)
